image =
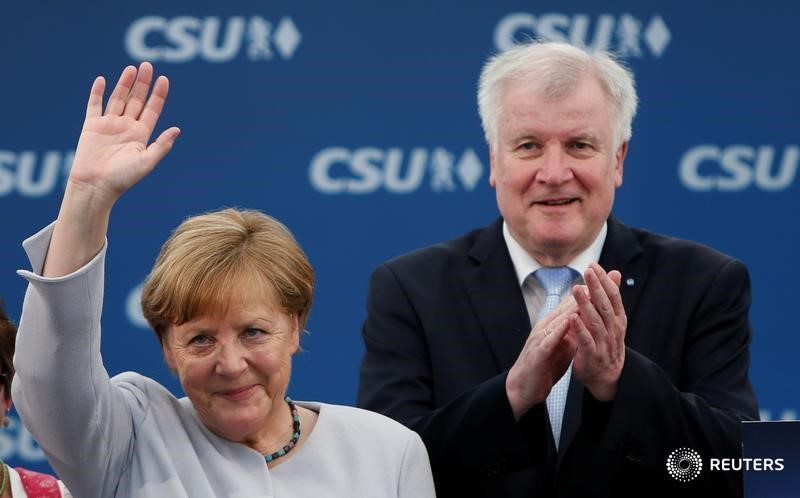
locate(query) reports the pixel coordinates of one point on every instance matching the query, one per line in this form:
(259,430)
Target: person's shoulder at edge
(374,425)
(680,248)
(454,246)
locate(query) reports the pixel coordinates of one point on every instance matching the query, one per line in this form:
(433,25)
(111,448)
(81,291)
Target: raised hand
(599,330)
(113,153)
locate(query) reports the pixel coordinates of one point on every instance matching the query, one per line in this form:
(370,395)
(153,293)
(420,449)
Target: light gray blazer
(128,436)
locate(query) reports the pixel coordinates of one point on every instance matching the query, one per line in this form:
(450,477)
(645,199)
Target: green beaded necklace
(295,437)
(5,478)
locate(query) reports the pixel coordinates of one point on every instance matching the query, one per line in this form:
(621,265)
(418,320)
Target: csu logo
(737,167)
(33,174)
(338,170)
(133,307)
(213,39)
(625,34)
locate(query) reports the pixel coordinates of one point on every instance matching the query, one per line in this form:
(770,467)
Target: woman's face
(235,368)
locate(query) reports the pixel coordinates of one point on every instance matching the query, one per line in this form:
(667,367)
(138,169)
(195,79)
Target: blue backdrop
(355,123)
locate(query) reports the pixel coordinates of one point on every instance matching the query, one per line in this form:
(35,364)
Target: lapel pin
(629,282)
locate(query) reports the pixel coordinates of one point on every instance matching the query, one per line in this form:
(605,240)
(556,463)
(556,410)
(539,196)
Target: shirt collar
(525,264)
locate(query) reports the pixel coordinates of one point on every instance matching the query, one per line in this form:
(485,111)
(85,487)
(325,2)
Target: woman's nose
(231,360)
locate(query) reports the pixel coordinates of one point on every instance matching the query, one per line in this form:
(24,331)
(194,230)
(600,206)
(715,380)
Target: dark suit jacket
(445,323)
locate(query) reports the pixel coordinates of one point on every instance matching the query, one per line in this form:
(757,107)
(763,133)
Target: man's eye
(528,146)
(254,333)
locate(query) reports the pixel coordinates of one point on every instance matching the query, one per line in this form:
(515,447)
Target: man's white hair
(554,70)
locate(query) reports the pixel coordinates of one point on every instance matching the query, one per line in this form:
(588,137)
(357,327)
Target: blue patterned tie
(555,281)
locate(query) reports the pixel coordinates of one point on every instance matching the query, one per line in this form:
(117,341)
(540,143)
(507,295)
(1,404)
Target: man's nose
(554,166)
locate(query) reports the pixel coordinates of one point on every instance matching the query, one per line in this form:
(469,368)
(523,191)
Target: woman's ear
(5,404)
(169,355)
(296,331)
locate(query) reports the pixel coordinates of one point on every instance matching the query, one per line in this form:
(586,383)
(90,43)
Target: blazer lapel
(496,296)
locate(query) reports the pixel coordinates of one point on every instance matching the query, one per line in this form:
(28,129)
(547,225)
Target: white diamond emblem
(287,37)
(657,35)
(469,169)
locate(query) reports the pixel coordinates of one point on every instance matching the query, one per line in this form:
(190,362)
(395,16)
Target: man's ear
(492,179)
(622,151)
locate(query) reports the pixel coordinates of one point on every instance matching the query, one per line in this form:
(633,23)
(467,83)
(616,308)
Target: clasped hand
(588,329)
(599,332)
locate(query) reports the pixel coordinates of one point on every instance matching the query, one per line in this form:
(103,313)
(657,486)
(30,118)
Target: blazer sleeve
(61,389)
(472,436)
(654,414)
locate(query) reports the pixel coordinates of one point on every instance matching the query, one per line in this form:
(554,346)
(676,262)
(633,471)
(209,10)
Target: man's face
(555,169)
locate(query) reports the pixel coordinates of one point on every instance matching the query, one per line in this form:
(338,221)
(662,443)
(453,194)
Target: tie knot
(555,280)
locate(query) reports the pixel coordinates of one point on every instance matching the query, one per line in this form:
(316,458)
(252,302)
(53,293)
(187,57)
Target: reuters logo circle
(684,464)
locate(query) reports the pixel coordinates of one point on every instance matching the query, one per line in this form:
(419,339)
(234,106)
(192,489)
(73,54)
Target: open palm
(113,152)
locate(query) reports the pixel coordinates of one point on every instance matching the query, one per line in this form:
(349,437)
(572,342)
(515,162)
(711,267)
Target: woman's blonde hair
(214,259)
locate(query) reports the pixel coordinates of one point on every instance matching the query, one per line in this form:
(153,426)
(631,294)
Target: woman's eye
(200,340)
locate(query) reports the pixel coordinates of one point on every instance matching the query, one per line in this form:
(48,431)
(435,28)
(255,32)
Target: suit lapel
(496,297)
(621,251)
(572,416)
